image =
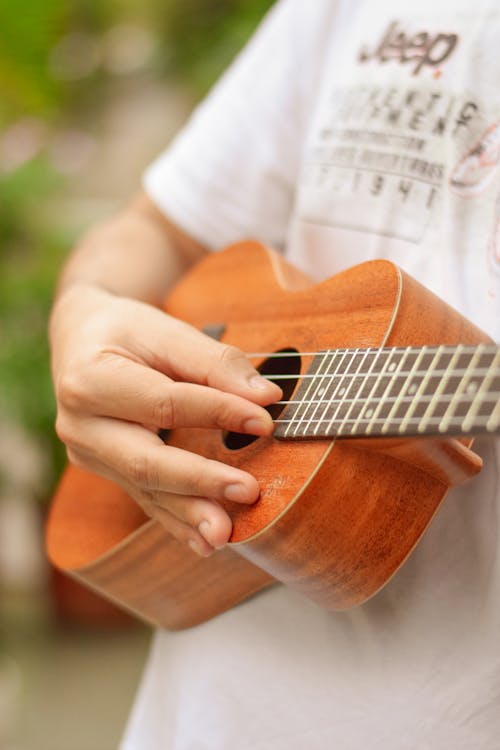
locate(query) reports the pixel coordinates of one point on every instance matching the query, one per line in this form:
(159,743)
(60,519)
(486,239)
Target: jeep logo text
(422,49)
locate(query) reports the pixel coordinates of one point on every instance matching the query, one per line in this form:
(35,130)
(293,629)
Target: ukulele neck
(411,391)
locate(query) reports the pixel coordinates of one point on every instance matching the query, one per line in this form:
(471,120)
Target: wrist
(73,303)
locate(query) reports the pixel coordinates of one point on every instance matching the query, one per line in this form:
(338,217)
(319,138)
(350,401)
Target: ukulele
(383,385)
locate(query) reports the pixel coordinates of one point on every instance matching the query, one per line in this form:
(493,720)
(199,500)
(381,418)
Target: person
(345,131)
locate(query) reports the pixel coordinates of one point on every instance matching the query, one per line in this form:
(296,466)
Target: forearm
(136,254)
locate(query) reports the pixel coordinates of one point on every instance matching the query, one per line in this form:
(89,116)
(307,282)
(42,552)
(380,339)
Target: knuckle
(143,472)
(71,391)
(230,354)
(164,412)
(63,430)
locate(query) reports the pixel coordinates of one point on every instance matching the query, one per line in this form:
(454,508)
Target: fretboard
(445,390)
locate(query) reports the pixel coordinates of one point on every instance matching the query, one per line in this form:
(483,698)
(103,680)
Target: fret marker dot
(472,387)
(392,367)
(368,413)
(341,391)
(412,389)
(321,391)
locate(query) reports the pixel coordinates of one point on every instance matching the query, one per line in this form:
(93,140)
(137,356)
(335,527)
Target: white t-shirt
(349,130)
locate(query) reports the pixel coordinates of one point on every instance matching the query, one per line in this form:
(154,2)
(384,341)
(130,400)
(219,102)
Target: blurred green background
(58,63)
(90,91)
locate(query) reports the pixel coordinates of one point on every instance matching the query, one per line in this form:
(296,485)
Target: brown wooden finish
(334,520)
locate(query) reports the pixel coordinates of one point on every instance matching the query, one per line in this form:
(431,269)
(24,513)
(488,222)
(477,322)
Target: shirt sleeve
(231,172)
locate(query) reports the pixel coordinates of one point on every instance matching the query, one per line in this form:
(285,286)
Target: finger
(84,460)
(200,523)
(183,352)
(133,392)
(183,533)
(207,517)
(141,459)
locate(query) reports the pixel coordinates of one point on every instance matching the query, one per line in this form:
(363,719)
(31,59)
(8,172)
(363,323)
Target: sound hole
(287,364)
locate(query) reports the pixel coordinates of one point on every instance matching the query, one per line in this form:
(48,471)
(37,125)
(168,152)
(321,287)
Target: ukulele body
(335,519)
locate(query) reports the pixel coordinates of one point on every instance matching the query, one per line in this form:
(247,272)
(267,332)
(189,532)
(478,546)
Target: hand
(122,371)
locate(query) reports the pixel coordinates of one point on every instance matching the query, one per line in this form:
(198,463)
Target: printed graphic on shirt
(384,145)
(418,50)
(404,137)
(477,169)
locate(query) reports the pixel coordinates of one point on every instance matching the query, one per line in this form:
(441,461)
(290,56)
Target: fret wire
(474,407)
(336,385)
(328,360)
(341,388)
(387,363)
(448,415)
(494,420)
(351,402)
(311,385)
(356,398)
(335,374)
(392,379)
(335,382)
(420,388)
(398,372)
(330,380)
(436,397)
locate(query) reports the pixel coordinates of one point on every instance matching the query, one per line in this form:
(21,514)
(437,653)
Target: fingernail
(258,383)
(255,426)
(196,547)
(204,529)
(236,493)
